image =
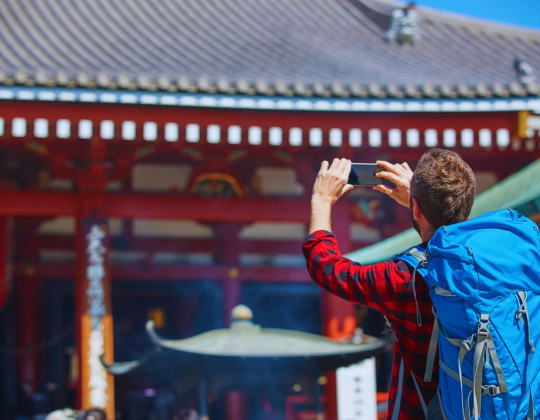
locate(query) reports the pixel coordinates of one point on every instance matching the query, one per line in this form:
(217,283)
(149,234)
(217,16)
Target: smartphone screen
(364,174)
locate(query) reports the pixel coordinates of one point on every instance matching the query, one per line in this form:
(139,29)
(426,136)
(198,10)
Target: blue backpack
(484,281)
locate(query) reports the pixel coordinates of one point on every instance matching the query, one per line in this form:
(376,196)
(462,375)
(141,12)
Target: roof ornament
(123,81)
(517,89)
(412,90)
(261,86)
(62,78)
(223,85)
(338,89)
(429,90)
(242,86)
(143,81)
(300,88)
(20,77)
(82,79)
(499,89)
(41,77)
(375,90)
(103,80)
(465,91)
(319,89)
(164,83)
(525,71)
(203,84)
(281,87)
(394,90)
(483,90)
(404,26)
(184,83)
(358,90)
(447,90)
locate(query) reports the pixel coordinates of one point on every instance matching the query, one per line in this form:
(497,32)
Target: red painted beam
(248,117)
(245,118)
(129,272)
(37,203)
(183,245)
(211,209)
(157,244)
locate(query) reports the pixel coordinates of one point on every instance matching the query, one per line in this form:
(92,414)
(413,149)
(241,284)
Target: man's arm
(375,285)
(330,185)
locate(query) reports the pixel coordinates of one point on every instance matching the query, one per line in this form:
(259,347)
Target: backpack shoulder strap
(415,257)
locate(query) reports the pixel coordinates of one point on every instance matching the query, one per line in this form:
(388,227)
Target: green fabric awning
(520,191)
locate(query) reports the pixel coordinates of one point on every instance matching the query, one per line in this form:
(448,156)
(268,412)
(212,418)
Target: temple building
(157,159)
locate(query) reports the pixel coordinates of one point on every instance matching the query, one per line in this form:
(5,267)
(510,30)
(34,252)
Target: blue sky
(515,12)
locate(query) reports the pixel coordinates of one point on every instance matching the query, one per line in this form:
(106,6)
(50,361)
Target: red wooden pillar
(28,288)
(227,252)
(6,258)
(339,318)
(93,304)
(27,293)
(235,405)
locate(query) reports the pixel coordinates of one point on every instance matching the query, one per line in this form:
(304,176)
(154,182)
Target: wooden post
(93,306)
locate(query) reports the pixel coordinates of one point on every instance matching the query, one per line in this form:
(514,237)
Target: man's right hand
(331,182)
(401,176)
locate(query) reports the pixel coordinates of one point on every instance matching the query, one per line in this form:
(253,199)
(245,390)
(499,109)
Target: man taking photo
(440,192)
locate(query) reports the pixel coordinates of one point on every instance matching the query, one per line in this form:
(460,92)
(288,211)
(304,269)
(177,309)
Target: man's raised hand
(331,181)
(400,176)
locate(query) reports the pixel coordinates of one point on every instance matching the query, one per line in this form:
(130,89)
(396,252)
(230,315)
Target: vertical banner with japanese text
(96,323)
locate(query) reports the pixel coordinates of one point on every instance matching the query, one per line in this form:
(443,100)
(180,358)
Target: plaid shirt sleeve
(386,287)
(378,285)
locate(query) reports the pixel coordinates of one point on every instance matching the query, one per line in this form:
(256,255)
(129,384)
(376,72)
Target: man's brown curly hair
(444,187)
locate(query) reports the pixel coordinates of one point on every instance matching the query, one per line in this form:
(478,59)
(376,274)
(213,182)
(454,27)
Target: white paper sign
(356,391)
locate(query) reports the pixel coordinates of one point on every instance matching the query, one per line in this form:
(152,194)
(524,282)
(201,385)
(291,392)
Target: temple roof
(358,48)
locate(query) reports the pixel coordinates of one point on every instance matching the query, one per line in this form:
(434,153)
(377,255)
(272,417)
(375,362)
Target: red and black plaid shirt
(386,287)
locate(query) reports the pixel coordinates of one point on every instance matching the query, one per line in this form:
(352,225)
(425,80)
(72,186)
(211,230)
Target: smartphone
(364,174)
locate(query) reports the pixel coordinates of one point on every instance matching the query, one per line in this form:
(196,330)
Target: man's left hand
(401,176)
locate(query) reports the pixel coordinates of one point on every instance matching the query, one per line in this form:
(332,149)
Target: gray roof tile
(301,47)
